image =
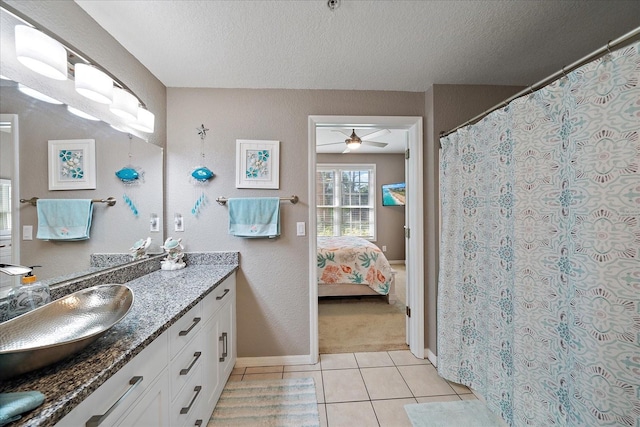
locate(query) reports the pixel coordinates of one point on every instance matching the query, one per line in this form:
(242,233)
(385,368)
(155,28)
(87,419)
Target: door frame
(415,261)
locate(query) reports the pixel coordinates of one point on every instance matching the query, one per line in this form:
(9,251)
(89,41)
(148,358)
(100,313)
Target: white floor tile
(391,413)
(338,361)
(258,377)
(405,357)
(322,412)
(468,397)
(351,414)
(302,368)
(343,385)
(423,380)
(373,359)
(447,398)
(263,369)
(385,383)
(459,388)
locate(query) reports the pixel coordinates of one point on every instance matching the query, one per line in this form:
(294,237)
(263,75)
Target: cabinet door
(152,409)
(210,361)
(227,338)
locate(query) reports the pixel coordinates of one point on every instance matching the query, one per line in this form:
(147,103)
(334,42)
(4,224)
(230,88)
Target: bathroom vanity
(164,364)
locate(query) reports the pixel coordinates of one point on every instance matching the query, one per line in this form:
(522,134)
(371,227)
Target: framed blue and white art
(257,164)
(72,164)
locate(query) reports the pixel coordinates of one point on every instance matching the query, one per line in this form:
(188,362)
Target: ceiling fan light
(40,53)
(145,122)
(124,105)
(93,84)
(353,144)
(37,95)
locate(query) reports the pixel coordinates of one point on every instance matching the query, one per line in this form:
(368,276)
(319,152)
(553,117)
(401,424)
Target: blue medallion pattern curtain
(539,286)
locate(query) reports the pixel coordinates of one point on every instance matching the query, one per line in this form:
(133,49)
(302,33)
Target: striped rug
(282,403)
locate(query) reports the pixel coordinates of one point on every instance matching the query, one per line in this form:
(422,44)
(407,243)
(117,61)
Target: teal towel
(254,217)
(14,404)
(64,219)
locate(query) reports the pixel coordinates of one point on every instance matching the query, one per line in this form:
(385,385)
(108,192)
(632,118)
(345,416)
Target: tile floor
(366,389)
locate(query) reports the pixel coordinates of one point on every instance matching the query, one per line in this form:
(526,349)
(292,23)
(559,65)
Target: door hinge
(406,153)
(408,311)
(407,233)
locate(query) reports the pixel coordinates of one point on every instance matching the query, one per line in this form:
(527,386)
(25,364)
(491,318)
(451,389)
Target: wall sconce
(145,122)
(40,53)
(124,105)
(93,84)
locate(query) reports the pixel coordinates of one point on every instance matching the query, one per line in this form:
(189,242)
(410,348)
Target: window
(346,200)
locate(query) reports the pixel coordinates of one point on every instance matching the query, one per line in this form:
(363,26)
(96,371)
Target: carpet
(281,403)
(360,324)
(468,413)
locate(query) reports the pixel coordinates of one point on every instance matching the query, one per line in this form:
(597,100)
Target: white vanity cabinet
(183,372)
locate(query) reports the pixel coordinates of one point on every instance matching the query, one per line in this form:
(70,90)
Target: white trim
(243,362)
(432,357)
(415,133)
(397,261)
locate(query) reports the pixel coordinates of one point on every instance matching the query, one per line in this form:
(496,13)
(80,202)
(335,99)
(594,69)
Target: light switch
(154,223)
(27,232)
(178,222)
(300,226)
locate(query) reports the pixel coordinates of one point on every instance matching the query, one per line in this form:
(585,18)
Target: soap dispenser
(29,295)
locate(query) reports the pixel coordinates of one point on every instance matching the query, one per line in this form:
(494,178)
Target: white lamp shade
(353,145)
(82,114)
(124,105)
(37,95)
(145,122)
(93,83)
(41,53)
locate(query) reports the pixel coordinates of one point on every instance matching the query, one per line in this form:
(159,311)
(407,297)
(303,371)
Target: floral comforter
(353,260)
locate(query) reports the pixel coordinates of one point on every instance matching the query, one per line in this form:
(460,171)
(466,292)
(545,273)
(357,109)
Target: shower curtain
(539,286)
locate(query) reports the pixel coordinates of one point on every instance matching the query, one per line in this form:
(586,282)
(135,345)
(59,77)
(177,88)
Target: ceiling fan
(354,141)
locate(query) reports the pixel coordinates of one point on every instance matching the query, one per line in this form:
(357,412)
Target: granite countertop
(160,298)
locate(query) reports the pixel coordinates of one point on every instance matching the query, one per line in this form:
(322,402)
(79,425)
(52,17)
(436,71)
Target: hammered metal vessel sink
(60,328)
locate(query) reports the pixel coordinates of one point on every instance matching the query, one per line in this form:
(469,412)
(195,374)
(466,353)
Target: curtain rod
(553,77)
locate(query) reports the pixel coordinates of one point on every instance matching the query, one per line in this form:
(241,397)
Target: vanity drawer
(185,364)
(187,327)
(188,402)
(212,302)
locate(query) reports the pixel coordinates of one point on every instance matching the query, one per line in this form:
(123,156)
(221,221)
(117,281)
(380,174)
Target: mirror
(114,229)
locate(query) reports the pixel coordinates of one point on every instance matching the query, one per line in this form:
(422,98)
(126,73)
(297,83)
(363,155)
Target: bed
(353,266)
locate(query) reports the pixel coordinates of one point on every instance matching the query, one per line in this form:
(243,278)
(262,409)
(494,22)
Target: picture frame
(257,164)
(72,164)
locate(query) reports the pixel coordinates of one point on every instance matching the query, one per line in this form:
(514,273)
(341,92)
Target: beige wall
(446,106)
(273,282)
(389,219)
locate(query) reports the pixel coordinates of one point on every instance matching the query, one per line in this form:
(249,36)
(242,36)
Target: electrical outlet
(384,248)
(154,223)
(178,222)
(27,232)
(300,228)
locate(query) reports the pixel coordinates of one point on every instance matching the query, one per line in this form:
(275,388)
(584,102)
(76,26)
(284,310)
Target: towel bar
(293,199)
(110,201)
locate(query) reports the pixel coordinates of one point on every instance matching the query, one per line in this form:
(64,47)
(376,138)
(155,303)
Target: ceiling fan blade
(375,143)
(374,135)
(330,143)
(348,150)
(344,132)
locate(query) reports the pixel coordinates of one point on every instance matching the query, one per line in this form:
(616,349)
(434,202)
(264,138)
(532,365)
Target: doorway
(414,220)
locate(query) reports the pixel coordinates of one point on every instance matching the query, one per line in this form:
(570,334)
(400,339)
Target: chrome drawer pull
(196,320)
(96,420)
(226,291)
(186,410)
(225,346)
(196,356)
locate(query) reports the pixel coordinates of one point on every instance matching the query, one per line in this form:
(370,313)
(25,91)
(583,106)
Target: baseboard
(397,261)
(244,362)
(432,357)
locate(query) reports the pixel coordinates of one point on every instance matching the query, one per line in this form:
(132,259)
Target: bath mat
(281,403)
(468,413)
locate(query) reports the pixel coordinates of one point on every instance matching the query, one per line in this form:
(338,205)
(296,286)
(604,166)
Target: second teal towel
(64,219)
(254,217)
(14,404)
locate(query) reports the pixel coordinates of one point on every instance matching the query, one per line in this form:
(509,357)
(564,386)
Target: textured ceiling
(362,45)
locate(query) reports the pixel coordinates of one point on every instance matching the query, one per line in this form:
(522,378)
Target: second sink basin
(60,328)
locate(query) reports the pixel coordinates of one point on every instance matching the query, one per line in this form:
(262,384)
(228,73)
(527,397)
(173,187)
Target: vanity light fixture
(145,122)
(93,83)
(124,105)
(40,53)
(82,114)
(37,95)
